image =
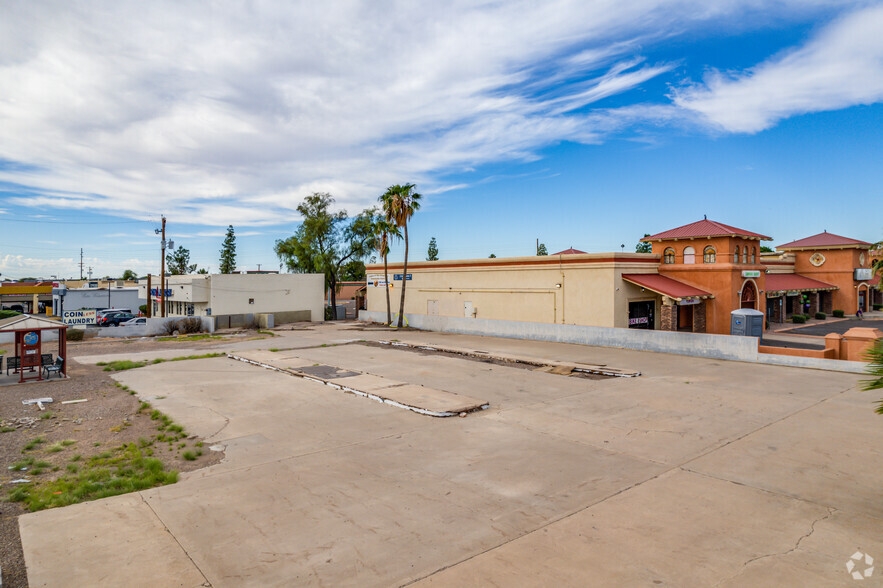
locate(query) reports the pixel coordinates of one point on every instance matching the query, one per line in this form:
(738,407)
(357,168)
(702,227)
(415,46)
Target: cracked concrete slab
(699,472)
(681,529)
(113,542)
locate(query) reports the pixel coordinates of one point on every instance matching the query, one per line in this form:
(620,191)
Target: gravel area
(109,418)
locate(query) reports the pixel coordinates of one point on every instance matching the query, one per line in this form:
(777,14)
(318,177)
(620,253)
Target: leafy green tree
(228,252)
(644,246)
(353,271)
(432,252)
(325,241)
(129,275)
(202,270)
(541,249)
(400,202)
(765,249)
(178,262)
(384,231)
(491,256)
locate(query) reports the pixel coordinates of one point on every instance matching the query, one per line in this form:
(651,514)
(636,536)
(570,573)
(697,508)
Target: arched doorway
(863,297)
(749,295)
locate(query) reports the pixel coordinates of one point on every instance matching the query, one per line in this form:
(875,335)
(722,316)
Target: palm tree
(384,231)
(400,202)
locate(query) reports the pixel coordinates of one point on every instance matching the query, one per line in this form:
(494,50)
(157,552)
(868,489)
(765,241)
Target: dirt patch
(72,434)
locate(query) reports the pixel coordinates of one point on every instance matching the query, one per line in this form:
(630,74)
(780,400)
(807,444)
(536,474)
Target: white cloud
(841,66)
(233,113)
(19,266)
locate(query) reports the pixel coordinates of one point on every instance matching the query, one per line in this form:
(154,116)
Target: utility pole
(81,263)
(90,272)
(162,275)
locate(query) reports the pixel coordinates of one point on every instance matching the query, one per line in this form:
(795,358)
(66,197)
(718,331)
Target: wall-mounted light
(557,285)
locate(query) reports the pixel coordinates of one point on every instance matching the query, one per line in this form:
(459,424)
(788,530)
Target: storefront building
(694,278)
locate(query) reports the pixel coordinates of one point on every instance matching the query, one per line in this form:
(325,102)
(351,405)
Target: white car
(134,322)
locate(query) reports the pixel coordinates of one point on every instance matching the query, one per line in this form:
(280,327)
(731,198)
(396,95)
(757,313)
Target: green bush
(798,318)
(74,334)
(329,313)
(838,313)
(8,313)
(143,309)
(877,306)
(821,316)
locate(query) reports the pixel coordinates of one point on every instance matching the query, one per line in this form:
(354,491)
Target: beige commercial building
(290,297)
(575,289)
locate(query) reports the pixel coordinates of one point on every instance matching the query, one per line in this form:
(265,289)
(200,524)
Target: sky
(579,123)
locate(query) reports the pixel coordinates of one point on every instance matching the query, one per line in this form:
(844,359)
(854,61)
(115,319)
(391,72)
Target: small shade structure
(29,331)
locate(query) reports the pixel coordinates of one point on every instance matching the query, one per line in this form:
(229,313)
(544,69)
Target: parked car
(105,311)
(114,319)
(139,320)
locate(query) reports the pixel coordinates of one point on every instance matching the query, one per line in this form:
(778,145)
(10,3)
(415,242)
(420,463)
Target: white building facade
(291,297)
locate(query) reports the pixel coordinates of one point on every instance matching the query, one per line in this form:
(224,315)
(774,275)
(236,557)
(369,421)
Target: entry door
(685,318)
(749,295)
(468,309)
(641,314)
(861,301)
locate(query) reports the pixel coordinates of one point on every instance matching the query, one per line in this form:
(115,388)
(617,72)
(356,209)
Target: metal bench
(13,363)
(55,368)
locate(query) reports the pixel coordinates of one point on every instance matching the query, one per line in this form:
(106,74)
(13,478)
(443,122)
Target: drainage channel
(595,372)
(375,397)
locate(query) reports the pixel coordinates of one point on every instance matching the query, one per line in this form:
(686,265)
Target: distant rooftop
(570,251)
(823,240)
(705,228)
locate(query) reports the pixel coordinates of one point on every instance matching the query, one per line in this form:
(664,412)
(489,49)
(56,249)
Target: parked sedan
(114,319)
(134,322)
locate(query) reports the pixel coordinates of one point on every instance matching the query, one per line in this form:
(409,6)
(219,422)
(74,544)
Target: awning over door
(666,286)
(779,283)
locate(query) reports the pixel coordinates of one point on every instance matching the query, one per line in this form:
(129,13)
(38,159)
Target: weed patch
(126,469)
(127,364)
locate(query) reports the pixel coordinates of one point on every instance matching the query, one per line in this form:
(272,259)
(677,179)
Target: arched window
(709,255)
(745,254)
(689,255)
(668,256)
(753,254)
(736,255)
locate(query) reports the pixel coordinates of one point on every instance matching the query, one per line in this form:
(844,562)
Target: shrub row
(798,318)
(821,316)
(838,313)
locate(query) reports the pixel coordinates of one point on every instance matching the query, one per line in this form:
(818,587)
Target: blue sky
(577,123)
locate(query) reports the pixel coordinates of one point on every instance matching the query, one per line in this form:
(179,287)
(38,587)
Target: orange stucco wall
(723,278)
(838,270)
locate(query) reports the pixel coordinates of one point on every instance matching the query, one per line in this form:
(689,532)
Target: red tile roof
(785,282)
(666,286)
(570,251)
(823,240)
(705,228)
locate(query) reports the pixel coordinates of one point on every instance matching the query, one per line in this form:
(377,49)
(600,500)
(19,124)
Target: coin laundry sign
(158,292)
(78,317)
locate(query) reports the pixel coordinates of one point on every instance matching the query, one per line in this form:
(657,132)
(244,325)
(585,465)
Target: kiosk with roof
(29,335)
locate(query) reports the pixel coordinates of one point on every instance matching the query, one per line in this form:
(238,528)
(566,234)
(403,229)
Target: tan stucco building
(570,289)
(288,296)
(695,277)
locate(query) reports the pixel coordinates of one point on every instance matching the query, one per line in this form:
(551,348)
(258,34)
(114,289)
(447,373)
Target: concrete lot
(699,472)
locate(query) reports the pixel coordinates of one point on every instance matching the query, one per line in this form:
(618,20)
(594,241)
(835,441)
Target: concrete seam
(172,535)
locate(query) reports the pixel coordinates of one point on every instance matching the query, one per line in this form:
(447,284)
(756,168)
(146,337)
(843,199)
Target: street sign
(78,317)
(399,277)
(157,292)
(750,274)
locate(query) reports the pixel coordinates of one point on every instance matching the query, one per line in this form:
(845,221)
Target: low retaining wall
(815,353)
(154,326)
(693,344)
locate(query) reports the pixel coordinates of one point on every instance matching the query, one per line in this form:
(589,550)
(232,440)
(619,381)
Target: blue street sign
(399,277)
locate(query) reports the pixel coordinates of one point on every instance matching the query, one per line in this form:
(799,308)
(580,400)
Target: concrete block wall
(693,344)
